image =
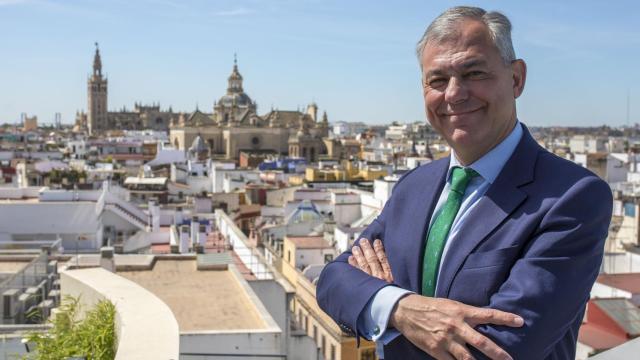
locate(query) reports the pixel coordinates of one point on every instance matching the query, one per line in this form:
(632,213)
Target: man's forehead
(468,41)
(440,59)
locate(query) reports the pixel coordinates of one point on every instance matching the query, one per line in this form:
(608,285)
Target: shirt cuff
(374,319)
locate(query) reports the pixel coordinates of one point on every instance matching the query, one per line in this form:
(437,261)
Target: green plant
(92,336)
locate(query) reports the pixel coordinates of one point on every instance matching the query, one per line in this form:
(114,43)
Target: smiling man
(491,252)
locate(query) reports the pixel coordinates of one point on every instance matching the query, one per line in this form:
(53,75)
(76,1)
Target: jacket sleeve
(550,284)
(343,291)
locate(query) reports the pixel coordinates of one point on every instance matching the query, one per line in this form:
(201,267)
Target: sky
(355,59)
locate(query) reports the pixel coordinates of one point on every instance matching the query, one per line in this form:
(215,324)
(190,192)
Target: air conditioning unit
(10,306)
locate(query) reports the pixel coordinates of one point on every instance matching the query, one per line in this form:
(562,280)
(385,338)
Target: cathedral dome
(241,100)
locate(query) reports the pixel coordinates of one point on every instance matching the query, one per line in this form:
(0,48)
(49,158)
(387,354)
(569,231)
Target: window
(315,334)
(300,317)
(324,346)
(333,352)
(289,256)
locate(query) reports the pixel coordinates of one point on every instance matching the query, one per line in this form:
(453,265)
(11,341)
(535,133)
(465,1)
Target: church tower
(235,79)
(97,97)
(235,105)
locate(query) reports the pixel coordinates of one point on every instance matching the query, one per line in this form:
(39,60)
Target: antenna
(628,105)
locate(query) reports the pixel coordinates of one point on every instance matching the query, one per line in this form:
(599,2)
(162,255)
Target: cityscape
(207,229)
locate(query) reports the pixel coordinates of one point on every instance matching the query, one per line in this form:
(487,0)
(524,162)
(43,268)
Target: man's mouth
(458,113)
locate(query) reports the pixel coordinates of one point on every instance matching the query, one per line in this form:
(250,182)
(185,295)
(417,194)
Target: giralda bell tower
(97,97)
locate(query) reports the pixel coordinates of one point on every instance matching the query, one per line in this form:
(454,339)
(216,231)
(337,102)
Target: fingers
(477,316)
(372,258)
(483,344)
(384,262)
(443,355)
(460,352)
(352,261)
(360,260)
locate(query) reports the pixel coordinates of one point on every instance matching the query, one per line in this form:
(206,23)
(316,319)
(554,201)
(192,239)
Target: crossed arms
(547,287)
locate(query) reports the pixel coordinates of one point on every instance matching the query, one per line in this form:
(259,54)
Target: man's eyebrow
(435,72)
(465,65)
(473,62)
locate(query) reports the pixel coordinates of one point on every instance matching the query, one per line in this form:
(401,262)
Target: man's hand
(440,327)
(373,261)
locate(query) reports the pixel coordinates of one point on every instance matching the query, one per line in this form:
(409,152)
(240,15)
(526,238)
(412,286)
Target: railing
(142,224)
(249,256)
(128,208)
(30,275)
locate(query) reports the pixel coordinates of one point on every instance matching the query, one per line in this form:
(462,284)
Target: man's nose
(456,92)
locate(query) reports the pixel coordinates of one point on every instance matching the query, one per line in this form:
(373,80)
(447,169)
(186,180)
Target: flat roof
(13,266)
(309,242)
(145,181)
(200,300)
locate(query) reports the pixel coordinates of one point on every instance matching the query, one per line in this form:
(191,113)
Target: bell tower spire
(97,63)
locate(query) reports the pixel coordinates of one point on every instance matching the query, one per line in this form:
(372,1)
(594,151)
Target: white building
(587,144)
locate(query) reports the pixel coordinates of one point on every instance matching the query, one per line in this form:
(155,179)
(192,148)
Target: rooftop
(309,242)
(599,337)
(623,312)
(624,281)
(201,300)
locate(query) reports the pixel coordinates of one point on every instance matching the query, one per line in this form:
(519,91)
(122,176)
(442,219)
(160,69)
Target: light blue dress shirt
(373,320)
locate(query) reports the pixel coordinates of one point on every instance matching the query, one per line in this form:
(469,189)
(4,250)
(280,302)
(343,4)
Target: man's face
(469,92)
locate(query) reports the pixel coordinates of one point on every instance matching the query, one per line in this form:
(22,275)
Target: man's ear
(519,68)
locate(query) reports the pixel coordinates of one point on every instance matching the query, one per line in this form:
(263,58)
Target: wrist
(395,318)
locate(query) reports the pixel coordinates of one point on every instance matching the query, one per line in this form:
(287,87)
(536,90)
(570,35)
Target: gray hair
(444,27)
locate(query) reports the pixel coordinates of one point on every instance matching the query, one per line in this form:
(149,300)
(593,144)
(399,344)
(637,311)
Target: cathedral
(99,119)
(233,126)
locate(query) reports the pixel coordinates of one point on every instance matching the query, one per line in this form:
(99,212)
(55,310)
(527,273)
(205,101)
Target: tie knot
(461,177)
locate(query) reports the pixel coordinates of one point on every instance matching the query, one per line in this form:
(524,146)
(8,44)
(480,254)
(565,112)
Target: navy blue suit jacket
(532,246)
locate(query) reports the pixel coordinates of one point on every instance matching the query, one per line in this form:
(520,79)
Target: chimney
(107,261)
(177,216)
(184,239)
(195,226)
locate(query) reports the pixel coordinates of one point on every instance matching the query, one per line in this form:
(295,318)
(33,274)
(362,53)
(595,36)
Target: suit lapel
(422,205)
(500,200)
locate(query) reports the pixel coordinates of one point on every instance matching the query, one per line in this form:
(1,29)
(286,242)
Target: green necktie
(440,229)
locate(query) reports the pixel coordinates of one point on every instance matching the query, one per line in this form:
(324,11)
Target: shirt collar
(491,163)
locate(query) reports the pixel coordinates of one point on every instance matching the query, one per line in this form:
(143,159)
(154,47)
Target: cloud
(233,12)
(12,2)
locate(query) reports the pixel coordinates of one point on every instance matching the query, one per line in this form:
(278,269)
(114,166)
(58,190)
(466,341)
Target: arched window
(312,154)
(176,143)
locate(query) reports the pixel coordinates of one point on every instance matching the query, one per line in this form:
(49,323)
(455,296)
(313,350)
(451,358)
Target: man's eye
(475,75)
(437,82)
